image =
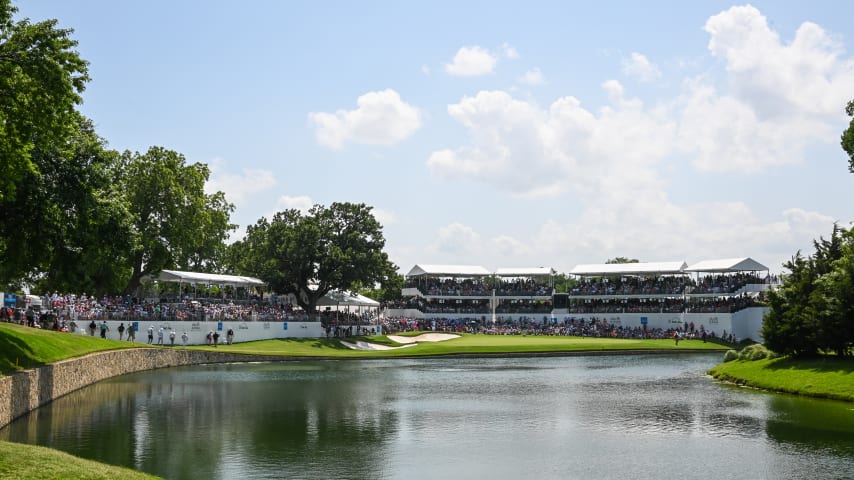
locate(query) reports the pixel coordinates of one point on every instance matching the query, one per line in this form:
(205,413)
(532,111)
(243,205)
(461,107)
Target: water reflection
(579,417)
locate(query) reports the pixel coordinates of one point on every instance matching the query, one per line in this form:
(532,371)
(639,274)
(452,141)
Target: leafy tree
(622,260)
(848,137)
(790,326)
(309,255)
(41,79)
(175,224)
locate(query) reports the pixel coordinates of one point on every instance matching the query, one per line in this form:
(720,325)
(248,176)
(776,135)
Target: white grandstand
(721,296)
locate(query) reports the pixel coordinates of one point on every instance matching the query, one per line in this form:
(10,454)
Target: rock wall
(25,391)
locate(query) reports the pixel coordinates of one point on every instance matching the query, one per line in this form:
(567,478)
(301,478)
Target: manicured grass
(29,462)
(829,377)
(466,344)
(24,347)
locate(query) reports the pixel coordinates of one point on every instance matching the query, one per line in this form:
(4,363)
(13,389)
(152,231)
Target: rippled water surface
(630,417)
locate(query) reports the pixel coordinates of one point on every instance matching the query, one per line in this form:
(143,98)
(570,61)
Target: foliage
(622,260)
(813,311)
(175,223)
(390,287)
(309,255)
(730,355)
(41,78)
(848,137)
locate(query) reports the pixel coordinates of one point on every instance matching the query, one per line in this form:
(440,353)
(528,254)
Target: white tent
(197,278)
(448,270)
(602,269)
(339,298)
(727,265)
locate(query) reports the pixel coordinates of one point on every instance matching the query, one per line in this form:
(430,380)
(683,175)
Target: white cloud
(526,150)
(238,187)
(640,67)
(425,69)
(510,52)
(385,217)
(302,203)
(532,77)
(471,62)
(456,240)
(381,118)
(780,98)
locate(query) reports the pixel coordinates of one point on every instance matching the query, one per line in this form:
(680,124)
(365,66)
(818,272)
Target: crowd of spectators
(574,327)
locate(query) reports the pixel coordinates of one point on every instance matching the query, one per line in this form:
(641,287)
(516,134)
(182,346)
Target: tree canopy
(848,137)
(309,255)
(813,311)
(41,79)
(622,260)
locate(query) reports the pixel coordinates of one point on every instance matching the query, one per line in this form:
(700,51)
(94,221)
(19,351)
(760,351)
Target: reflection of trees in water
(184,427)
(812,424)
(670,405)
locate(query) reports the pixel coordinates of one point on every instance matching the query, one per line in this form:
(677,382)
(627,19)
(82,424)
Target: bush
(755,352)
(730,355)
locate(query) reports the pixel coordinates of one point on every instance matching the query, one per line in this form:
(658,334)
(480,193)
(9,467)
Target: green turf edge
(30,462)
(827,377)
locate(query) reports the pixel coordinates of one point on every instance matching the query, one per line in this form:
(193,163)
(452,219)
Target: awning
(206,278)
(448,270)
(615,269)
(725,265)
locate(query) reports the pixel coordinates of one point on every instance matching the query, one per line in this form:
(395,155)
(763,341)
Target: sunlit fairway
(465,344)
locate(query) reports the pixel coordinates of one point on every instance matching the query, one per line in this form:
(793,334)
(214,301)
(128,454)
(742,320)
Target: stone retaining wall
(25,391)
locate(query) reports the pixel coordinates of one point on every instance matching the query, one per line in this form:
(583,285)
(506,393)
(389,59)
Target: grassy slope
(32,347)
(29,462)
(830,377)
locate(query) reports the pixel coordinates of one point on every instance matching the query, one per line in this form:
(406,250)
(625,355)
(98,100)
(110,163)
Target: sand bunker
(360,345)
(424,337)
(407,341)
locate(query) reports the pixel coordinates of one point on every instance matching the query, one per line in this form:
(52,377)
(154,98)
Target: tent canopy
(727,265)
(525,272)
(448,270)
(344,298)
(602,269)
(206,278)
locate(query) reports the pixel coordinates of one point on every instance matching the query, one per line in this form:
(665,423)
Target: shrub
(730,355)
(755,352)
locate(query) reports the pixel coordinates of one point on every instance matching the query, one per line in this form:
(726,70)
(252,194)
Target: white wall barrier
(244,331)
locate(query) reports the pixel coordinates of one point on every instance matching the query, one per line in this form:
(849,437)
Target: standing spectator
(150,334)
(92,328)
(215,338)
(131,333)
(184,338)
(160,336)
(104,329)
(121,330)
(229,337)
(172,336)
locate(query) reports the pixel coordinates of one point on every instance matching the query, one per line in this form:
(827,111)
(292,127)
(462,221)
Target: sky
(499,134)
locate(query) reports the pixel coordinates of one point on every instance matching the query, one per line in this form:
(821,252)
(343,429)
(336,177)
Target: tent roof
(629,268)
(206,278)
(524,272)
(344,298)
(448,270)
(727,265)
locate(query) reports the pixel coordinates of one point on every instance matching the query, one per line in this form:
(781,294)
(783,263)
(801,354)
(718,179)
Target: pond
(634,416)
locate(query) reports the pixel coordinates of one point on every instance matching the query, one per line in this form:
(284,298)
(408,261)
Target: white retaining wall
(197,331)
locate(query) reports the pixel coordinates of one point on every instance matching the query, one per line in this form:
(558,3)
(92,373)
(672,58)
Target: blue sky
(501,134)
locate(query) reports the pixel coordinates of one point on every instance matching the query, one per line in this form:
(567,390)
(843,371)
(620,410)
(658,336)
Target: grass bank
(24,347)
(29,462)
(829,377)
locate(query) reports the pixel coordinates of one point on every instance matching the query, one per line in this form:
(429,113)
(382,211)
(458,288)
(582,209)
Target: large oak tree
(309,255)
